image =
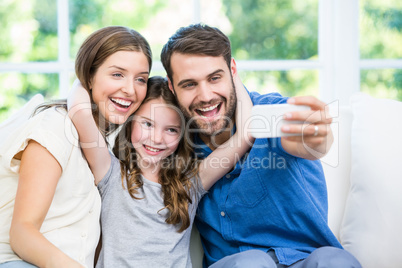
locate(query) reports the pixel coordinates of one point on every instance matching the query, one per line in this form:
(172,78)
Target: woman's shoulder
(51,128)
(44,122)
(55,120)
(52,114)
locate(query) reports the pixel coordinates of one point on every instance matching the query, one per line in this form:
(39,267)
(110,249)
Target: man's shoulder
(268,98)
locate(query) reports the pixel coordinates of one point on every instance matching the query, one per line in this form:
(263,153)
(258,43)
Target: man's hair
(196,39)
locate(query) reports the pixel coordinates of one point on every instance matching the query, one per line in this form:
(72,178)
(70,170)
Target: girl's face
(156,131)
(120,84)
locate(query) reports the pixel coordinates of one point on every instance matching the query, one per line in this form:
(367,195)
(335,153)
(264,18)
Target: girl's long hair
(176,169)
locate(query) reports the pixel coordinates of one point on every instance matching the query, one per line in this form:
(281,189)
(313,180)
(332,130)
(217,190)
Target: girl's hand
(78,99)
(91,140)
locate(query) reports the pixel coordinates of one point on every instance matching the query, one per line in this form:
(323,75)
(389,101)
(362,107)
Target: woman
(49,205)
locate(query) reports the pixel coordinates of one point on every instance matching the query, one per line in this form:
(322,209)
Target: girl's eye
(173,130)
(146,124)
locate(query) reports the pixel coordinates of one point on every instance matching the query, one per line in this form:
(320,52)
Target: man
(271,209)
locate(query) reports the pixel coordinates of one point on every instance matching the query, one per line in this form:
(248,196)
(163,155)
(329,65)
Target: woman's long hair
(176,169)
(92,54)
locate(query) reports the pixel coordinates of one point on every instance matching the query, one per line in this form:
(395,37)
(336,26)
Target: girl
(151,189)
(49,205)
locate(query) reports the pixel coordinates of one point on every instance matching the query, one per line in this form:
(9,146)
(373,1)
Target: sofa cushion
(336,165)
(371,227)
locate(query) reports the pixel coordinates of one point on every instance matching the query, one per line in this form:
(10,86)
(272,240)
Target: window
(380,44)
(326,48)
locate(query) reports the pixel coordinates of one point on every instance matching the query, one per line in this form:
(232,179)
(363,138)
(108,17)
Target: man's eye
(189,85)
(215,78)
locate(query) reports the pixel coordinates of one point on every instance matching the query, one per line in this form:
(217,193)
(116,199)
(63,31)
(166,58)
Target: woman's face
(120,84)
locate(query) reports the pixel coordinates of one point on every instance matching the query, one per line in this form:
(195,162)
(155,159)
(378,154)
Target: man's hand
(316,135)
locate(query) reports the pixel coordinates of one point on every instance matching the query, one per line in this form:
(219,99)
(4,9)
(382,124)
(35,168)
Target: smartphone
(267,120)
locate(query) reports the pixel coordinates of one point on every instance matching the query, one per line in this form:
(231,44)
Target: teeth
(121,102)
(208,108)
(152,149)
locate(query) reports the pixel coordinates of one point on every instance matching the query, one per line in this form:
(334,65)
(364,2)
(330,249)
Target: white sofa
(364,179)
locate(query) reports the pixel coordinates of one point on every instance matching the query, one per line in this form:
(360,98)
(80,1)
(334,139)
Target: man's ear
(170,85)
(233,67)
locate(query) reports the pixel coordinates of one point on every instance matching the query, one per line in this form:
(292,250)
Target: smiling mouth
(152,149)
(210,111)
(121,103)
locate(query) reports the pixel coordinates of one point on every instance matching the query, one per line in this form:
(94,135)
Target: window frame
(338,62)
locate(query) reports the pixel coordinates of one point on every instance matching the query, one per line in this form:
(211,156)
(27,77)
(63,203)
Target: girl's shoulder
(197,189)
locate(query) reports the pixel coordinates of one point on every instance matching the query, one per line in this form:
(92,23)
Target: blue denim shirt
(270,200)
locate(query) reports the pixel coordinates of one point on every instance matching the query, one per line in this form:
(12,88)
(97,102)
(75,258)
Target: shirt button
(228,176)
(83,234)
(223,214)
(90,212)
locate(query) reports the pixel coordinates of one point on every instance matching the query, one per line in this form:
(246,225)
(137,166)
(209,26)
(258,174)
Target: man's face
(205,91)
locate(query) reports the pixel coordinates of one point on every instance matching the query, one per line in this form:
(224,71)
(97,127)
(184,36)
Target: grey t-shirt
(134,231)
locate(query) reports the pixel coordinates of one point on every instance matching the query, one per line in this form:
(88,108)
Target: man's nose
(204,92)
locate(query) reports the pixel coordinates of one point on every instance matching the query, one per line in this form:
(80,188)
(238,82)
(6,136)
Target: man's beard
(218,126)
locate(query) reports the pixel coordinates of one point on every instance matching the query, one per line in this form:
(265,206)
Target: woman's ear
(90,86)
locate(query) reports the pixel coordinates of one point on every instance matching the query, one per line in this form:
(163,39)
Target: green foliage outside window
(285,29)
(259,29)
(276,30)
(381,38)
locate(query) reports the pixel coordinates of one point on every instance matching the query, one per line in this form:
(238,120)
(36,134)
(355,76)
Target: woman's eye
(142,80)
(117,75)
